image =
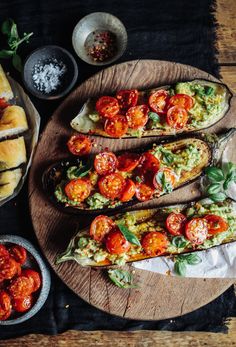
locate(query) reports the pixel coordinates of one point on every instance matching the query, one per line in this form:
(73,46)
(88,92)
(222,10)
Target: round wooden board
(158,297)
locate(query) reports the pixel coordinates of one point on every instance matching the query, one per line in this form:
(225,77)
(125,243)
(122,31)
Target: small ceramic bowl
(50,72)
(35,262)
(96,22)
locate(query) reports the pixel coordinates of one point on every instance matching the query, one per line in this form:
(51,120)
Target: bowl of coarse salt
(50,72)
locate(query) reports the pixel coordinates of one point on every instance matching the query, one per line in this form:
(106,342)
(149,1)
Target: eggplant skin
(142,216)
(57,171)
(82,123)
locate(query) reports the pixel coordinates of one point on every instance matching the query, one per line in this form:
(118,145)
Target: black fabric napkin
(181,31)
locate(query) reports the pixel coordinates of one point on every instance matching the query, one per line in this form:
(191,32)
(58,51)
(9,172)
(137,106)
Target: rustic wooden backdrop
(226,44)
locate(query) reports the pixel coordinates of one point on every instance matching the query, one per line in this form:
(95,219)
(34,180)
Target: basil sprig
(183,260)
(219,180)
(9,28)
(161,179)
(154,117)
(128,235)
(121,278)
(79,171)
(179,242)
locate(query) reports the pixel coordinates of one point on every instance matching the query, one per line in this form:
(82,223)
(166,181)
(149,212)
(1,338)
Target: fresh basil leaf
(6,26)
(79,171)
(154,117)
(138,179)
(218,197)
(209,90)
(128,235)
(180,268)
(17,63)
(213,188)
(179,242)
(192,259)
(230,178)
(214,174)
(161,179)
(82,242)
(14,32)
(4,53)
(167,156)
(228,167)
(121,278)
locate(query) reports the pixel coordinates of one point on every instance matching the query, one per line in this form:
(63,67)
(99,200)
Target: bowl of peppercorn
(50,72)
(99,38)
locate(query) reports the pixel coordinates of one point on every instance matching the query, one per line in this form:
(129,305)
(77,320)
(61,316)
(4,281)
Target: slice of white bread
(13,121)
(12,153)
(5,88)
(8,182)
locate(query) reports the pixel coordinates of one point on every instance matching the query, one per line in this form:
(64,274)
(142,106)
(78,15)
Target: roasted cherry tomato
(3,103)
(107,106)
(20,287)
(78,189)
(196,230)
(117,126)
(181,100)
(100,227)
(128,191)
(5,305)
(154,243)
(105,163)
(137,116)
(111,186)
(23,304)
(170,178)
(158,101)
(79,145)
(8,268)
(215,224)
(177,117)
(147,163)
(127,99)
(18,253)
(144,192)
(35,278)
(3,251)
(127,162)
(116,243)
(175,223)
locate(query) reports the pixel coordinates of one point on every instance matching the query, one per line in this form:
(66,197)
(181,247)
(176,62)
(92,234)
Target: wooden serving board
(158,297)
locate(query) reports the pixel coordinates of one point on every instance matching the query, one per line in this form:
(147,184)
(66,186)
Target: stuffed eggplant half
(112,181)
(144,234)
(169,110)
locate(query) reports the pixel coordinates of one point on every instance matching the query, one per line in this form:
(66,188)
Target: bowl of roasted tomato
(24,280)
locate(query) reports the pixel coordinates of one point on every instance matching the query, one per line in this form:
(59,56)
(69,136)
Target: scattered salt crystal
(47,76)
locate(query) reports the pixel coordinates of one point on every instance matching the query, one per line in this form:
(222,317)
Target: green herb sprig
(121,278)
(128,235)
(183,260)
(166,186)
(219,180)
(9,28)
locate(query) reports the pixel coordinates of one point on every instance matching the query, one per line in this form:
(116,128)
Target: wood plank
(226,32)
(228,76)
(128,339)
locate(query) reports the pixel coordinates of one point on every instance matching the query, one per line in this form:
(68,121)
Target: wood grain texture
(54,228)
(228,76)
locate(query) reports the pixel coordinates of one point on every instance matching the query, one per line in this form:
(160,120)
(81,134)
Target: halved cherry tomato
(170,178)
(127,99)
(105,163)
(154,243)
(196,230)
(143,192)
(18,253)
(177,117)
(181,100)
(128,191)
(111,186)
(215,224)
(158,101)
(117,126)
(20,287)
(127,162)
(148,162)
(107,106)
(116,243)
(35,278)
(3,103)
(23,304)
(3,251)
(8,268)
(100,227)
(175,223)
(79,145)
(137,116)
(5,305)
(78,189)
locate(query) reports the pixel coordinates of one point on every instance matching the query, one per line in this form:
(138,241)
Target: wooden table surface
(226,45)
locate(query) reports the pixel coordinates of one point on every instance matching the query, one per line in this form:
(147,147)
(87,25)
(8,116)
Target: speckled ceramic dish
(98,22)
(35,262)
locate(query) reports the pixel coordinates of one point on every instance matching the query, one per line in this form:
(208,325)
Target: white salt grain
(47,76)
